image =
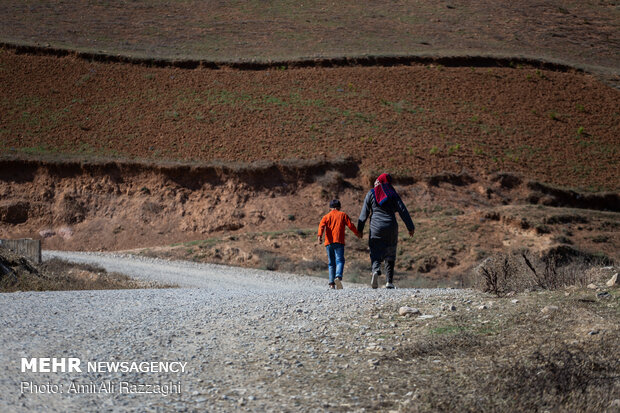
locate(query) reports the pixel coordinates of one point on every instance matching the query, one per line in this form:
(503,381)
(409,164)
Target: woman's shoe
(338,284)
(374,282)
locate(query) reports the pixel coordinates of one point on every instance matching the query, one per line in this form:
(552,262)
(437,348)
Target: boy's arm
(321,229)
(347,221)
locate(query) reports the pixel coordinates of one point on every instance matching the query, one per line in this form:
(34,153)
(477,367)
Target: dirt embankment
(131,204)
(265,214)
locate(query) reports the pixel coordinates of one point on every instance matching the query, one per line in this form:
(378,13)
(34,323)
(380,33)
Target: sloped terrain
(578,33)
(554,127)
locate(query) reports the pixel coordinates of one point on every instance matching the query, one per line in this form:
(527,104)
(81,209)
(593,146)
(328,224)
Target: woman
(380,205)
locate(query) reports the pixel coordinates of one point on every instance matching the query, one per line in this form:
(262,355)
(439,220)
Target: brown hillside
(580,33)
(411,120)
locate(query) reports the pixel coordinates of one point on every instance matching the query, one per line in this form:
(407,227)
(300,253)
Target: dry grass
(19,274)
(522,270)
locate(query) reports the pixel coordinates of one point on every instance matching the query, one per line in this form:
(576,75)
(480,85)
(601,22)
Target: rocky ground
(256,341)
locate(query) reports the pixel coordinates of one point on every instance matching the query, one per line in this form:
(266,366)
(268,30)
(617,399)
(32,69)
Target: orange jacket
(333,224)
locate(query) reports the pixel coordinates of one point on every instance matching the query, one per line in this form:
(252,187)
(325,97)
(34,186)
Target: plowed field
(414,120)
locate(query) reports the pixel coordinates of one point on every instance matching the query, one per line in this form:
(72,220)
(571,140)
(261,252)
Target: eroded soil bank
(265,215)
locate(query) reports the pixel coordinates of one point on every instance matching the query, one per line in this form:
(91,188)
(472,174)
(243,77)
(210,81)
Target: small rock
(482,307)
(613,282)
(592,286)
(550,309)
(515,301)
(452,307)
(615,403)
(593,332)
(408,311)
(603,295)
(65,232)
(46,233)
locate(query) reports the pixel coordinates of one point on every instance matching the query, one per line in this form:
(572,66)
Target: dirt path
(246,346)
(190,274)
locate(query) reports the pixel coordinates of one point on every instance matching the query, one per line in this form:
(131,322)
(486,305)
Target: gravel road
(252,340)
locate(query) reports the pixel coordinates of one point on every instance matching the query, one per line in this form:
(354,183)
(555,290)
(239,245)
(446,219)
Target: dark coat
(383,223)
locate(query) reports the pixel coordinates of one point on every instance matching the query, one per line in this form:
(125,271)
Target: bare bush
(523,270)
(498,275)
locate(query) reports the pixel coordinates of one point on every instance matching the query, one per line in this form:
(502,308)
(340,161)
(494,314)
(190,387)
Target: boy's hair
(334,203)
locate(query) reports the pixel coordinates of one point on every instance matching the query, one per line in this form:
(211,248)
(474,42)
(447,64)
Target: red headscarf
(384,189)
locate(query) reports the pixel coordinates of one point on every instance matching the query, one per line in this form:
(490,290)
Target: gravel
(253,340)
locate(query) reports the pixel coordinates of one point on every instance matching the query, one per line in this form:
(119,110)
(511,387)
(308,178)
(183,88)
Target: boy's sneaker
(374,282)
(332,286)
(338,283)
(389,285)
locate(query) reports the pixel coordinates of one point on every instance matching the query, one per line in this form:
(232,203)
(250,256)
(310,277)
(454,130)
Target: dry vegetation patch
(19,274)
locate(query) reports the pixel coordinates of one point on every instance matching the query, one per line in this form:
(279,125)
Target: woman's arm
(404,215)
(366,211)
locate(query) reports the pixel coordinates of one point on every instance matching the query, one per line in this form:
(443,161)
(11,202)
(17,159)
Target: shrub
(523,270)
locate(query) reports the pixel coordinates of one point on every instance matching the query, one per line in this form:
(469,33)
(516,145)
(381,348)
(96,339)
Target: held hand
(320,239)
(360,235)
(411,232)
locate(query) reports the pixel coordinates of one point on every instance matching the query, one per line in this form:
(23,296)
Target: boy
(333,226)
